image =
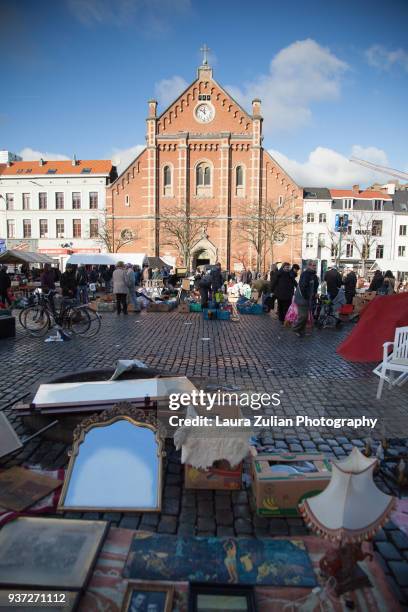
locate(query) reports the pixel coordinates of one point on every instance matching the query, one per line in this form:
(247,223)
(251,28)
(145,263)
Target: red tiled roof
(359,195)
(22,168)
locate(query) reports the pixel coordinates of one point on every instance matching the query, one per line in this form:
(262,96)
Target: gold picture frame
(120,412)
(140,587)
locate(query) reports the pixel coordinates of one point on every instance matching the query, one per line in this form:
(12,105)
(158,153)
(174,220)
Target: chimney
(41,162)
(356,188)
(390,188)
(256,107)
(152,108)
(74,160)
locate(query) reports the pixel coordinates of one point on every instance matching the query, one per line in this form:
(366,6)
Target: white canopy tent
(106,259)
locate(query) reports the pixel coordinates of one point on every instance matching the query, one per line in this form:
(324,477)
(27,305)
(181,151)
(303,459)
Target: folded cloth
(201,449)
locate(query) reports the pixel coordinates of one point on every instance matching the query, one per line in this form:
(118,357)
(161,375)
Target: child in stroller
(326,312)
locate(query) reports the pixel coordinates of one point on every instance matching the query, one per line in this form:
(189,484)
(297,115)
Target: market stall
(107,259)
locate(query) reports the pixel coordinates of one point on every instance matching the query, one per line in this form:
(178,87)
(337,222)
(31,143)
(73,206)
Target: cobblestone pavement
(255,354)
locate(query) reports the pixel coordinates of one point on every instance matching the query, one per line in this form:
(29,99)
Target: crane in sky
(383,169)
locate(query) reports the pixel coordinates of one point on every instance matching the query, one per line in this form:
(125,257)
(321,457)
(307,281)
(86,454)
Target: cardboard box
(280,493)
(105,306)
(159,307)
(184,307)
(221,476)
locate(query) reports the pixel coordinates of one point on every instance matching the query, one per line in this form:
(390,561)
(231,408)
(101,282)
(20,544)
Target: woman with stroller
(283,286)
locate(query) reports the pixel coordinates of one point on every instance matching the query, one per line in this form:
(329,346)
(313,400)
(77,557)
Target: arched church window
(203,179)
(167,180)
(239,181)
(239,173)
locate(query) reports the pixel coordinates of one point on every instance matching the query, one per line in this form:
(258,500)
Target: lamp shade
(351,508)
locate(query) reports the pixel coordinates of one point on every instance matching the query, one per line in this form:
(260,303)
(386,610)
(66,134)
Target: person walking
(131,284)
(107,278)
(120,287)
(47,279)
(377,281)
(68,283)
(5,284)
(333,281)
(272,278)
(217,279)
(204,285)
(388,285)
(294,272)
(350,284)
(304,296)
(283,288)
(82,281)
(138,275)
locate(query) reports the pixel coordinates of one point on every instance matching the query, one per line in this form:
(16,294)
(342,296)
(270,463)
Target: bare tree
(251,230)
(366,230)
(111,240)
(267,225)
(182,228)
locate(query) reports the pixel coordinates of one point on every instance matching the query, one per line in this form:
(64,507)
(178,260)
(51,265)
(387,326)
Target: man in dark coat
(5,284)
(204,285)
(217,279)
(304,296)
(68,283)
(350,284)
(333,281)
(283,287)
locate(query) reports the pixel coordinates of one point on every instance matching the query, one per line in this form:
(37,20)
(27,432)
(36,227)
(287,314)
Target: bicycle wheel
(79,321)
(94,322)
(36,320)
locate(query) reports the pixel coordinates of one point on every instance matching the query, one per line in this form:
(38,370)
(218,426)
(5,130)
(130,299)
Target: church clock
(204,113)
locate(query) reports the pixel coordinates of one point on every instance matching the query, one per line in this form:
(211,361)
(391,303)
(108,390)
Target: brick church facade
(203,154)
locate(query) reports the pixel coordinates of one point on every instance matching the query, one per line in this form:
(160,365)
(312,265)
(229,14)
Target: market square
(203,306)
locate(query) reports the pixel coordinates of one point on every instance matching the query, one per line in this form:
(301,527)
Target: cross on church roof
(204,49)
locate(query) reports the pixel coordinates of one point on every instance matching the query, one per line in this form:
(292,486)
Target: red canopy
(377,324)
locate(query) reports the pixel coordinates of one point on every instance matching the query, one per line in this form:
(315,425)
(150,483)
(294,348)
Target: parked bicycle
(39,317)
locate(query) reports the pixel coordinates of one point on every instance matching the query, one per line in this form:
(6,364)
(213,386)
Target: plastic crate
(210,313)
(254,309)
(224,315)
(212,304)
(195,308)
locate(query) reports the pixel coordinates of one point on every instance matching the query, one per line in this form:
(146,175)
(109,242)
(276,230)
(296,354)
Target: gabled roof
(316,193)
(359,195)
(83,167)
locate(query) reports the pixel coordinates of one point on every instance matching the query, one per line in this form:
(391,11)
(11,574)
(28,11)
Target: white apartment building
(54,207)
(376,235)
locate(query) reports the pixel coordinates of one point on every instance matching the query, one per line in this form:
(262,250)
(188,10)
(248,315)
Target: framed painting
(115,463)
(204,597)
(148,597)
(47,553)
(20,488)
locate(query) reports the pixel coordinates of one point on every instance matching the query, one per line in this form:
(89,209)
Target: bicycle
(40,317)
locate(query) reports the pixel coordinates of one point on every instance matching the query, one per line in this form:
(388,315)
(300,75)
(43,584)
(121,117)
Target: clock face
(204,113)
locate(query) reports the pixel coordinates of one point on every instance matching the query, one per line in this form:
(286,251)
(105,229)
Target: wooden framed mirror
(115,463)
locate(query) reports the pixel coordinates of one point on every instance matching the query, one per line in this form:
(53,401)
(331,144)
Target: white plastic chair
(394,361)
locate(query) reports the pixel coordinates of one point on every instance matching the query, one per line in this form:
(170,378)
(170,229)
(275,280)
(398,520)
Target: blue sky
(333,77)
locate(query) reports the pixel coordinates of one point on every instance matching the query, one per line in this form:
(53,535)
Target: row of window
(59,200)
(203,177)
(365,254)
(348,204)
(310,218)
(59,228)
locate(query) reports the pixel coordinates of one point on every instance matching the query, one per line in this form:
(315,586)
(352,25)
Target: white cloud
(299,75)
(29,154)
(380,57)
(123,157)
(168,90)
(151,14)
(328,168)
